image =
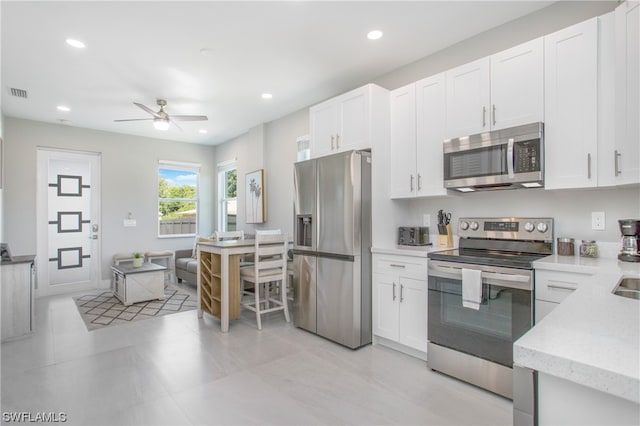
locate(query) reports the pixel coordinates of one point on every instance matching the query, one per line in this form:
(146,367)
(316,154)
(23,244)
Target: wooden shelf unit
(211,285)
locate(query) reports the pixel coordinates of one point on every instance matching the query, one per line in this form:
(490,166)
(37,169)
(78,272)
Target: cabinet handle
(419,183)
(401,297)
(493,114)
(394,291)
(616,167)
(561,287)
(337,141)
(332,143)
(411,183)
(395,265)
(589,166)
(484,116)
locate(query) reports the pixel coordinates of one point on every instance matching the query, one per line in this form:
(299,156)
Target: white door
(468,99)
(571,106)
(413,313)
(385,306)
(403,142)
(68,213)
(353,120)
(430,116)
(517,85)
(324,127)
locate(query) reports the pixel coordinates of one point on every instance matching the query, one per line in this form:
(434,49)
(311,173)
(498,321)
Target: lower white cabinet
(17,297)
(552,287)
(400,301)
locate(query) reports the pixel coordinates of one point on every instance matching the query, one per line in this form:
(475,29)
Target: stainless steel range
(481,298)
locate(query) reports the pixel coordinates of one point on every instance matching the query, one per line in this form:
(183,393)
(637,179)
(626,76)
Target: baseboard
(377,340)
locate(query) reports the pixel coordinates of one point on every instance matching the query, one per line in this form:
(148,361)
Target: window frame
(223,169)
(184,167)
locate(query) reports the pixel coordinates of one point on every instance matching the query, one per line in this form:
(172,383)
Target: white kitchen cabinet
(400,302)
(626,154)
(417,133)
(17,297)
(552,287)
(348,121)
(496,92)
(571,113)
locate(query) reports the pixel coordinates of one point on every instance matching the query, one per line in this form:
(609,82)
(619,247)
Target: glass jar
(566,247)
(588,249)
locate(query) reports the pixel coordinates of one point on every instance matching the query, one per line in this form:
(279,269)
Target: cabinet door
(571,106)
(324,128)
(403,142)
(353,120)
(627,17)
(16,300)
(413,313)
(468,99)
(517,85)
(430,117)
(385,306)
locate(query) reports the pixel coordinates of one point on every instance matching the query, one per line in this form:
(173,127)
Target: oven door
(504,315)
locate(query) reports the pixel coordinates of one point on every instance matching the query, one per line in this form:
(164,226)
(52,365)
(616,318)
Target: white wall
(129,184)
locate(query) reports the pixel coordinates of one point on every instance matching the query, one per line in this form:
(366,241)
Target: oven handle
(522,282)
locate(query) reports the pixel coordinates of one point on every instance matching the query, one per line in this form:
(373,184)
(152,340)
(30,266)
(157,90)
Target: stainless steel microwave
(502,159)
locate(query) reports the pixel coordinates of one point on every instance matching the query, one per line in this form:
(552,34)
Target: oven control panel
(508,228)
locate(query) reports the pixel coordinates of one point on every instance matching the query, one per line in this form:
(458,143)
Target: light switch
(129,222)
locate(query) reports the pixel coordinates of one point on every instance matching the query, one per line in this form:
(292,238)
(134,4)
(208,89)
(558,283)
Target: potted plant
(137,259)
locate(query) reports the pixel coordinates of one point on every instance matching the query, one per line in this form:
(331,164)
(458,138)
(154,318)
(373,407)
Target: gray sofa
(186,266)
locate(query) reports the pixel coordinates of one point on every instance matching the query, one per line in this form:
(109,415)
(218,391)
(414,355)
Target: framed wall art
(255,197)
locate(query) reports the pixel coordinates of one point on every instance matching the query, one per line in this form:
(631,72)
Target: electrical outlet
(426,220)
(597,221)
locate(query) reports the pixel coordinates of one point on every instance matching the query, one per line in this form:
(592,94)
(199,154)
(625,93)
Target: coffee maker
(630,229)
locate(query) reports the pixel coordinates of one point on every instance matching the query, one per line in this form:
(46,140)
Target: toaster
(413,236)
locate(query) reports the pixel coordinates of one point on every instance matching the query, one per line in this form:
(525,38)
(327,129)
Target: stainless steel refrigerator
(332,247)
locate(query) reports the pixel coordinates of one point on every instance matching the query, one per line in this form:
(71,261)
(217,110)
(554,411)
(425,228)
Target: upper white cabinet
(626,154)
(417,133)
(347,121)
(571,113)
(500,91)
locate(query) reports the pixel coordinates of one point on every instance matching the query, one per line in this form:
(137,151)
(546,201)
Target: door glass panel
(487,161)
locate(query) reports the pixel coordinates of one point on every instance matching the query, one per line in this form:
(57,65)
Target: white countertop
(417,251)
(593,337)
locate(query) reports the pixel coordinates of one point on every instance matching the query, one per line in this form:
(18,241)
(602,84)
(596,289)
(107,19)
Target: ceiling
(216,58)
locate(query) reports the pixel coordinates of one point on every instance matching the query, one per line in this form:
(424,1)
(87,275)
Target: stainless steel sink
(628,287)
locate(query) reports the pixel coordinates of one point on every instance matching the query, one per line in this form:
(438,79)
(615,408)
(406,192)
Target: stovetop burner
(506,242)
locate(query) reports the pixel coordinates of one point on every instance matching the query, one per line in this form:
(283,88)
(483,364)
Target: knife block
(446,241)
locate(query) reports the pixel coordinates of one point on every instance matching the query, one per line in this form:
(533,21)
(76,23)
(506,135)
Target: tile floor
(181,370)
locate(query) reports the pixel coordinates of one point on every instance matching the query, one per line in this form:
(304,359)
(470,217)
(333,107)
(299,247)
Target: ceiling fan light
(161,124)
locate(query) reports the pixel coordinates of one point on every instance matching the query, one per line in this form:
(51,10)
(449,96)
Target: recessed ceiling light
(203,131)
(75,43)
(374,35)
(63,108)
(267,96)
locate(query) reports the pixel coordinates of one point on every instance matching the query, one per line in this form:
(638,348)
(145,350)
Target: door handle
(589,166)
(394,292)
(493,114)
(616,165)
(510,157)
(332,142)
(94,237)
(401,297)
(338,141)
(419,183)
(411,183)
(395,265)
(484,116)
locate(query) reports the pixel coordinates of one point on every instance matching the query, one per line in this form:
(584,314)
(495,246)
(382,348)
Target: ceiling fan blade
(147,109)
(135,119)
(189,117)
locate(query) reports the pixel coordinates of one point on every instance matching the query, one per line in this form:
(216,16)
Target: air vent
(18,93)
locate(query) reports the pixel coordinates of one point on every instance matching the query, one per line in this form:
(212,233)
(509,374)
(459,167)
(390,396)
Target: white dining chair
(228,235)
(269,276)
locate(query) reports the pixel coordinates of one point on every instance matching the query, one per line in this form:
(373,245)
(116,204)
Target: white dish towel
(471,288)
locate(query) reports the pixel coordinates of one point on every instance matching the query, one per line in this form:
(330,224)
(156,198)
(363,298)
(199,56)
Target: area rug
(103,309)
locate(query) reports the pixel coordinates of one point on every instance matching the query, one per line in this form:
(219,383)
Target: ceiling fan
(162,120)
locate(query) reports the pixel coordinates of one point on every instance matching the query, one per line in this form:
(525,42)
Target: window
(177,199)
(227,196)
